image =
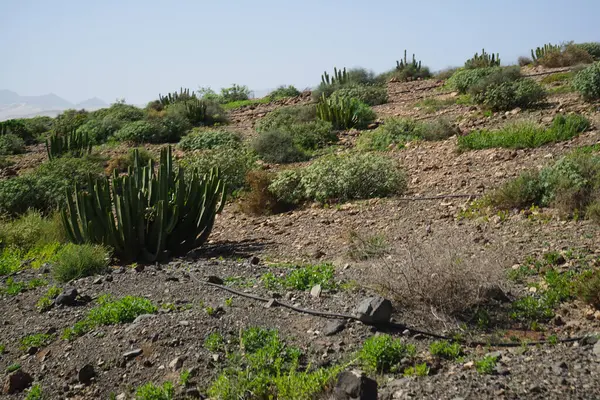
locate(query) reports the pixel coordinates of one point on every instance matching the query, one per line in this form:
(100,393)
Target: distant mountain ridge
(13,105)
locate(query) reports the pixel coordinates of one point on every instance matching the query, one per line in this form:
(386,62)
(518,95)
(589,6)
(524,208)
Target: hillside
(478,219)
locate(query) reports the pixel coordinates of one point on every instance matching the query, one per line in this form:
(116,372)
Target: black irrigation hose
(391,324)
(442,196)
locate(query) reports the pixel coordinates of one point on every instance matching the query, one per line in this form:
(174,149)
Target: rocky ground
(114,360)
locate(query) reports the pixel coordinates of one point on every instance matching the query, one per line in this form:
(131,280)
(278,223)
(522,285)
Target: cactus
(340,111)
(195,111)
(483,60)
(171,98)
(75,143)
(416,66)
(339,77)
(147,214)
(540,52)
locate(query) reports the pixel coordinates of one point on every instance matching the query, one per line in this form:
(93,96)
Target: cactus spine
(147,214)
(77,144)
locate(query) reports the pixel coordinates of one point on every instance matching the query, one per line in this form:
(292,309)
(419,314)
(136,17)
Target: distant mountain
(13,105)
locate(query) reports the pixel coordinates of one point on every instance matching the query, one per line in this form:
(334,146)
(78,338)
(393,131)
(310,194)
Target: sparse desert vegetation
(172,251)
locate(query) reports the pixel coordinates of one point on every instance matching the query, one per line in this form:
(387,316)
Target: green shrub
(194,112)
(303,278)
(445,349)
(592,48)
(372,95)
(111,312)
(351,78)
(234,93)
(36,340)
(214,342)
(75,261)
(43,189)
(283,92)
(557,77)
(10,260)
(35,393)
(587,82)
(521,192)
(69,121)
(341,178)
(11,144)
(311,135)
(567,55)
(122,162)
(587,288)
(463,79)
(398,131)
(47,300)
(140,132)
(525,134)
(29,230)
(382,353)
(150,391)
(278,147)
(286,116)
(486,365)
(204,139)
(483,60)
(233,164)
(508,95)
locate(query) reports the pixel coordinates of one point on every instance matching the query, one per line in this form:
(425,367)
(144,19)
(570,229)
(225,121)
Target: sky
(136,49)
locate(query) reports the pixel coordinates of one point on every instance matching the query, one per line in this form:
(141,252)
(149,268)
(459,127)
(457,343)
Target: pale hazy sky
(134,49)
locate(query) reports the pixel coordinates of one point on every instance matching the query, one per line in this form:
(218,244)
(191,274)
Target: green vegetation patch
(445,349)
(382,353)
(303,278)
(111,312)
(152,391)
(36,340)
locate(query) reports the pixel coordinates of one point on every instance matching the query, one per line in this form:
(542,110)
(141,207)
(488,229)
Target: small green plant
(111,312)
(214,342)
(417,370)
(75,261)
(151,391)
(184,377)
(558,77)
(2,349)
(11,144)
(13,367)
(283,92)
(345,113)
(486,365)
(303,278)
(206,139)
(210,311)
(587,288)
(553,340)
(278,147)
(445,349)
(34,393)
(364,248)
(36,340)
(382,353)
(47,300)
(229,302)
(12,287)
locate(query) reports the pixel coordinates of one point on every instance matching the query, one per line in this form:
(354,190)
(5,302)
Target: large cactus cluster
(176,97)
(74,143)
(541,52)
(483,60)
(339,77)
(414,64)
(147,214)
(340,111)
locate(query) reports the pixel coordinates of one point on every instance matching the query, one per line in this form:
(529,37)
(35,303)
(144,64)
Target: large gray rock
(67,298)
(354,385)
(374,310)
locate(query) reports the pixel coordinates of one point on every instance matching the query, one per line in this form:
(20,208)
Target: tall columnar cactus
(402,64)
(540,52)
(147,214)
(339,77)
(170,98)
(77,144)
(483,60)
(195,111)
(340,111)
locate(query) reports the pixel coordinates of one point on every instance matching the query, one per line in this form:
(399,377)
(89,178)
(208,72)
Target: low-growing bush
(524,61)
(233,164)
(286,116)
(566,56)
(43,189)
(234,93)
(525,134)
(521,192)
(283,92)
(397,131)
(587,288)
(463,79)
(30,230)
(587,82)
(372,95)
(122,162)
(278,147)
(311,135)
(445,349)
(140,132)
(382,353)
(205,139)
(345,113)
(508,95)
(341,178)
(75,261)
(11,144)
(592,48)
(151,391)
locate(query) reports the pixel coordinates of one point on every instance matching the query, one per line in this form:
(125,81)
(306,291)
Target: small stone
(184,323)
(132,354)
(214,279)
(16,382)
(497,355)
(85,374)
(121,396)
(596,349)
(176,363)
(374,310)
(67,298)
(334,327)
(97,281)
(560,368)
(142,317)
(356,386)
(316,291)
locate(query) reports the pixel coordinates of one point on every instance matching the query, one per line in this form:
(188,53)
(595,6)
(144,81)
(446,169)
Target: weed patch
(382,353)
(75,261)
(445,349)
(486,365)
(303,278)
(151,391)
(36,340)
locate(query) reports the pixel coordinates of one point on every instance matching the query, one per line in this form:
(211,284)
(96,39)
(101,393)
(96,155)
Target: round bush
(283,92)
(395,131)
(463,79)
(11,144)
(587,82)
(311,135)
(75,261)
(204,139)
(371,95)
(140,132)
(286,116)
(278,147)
(508,95)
